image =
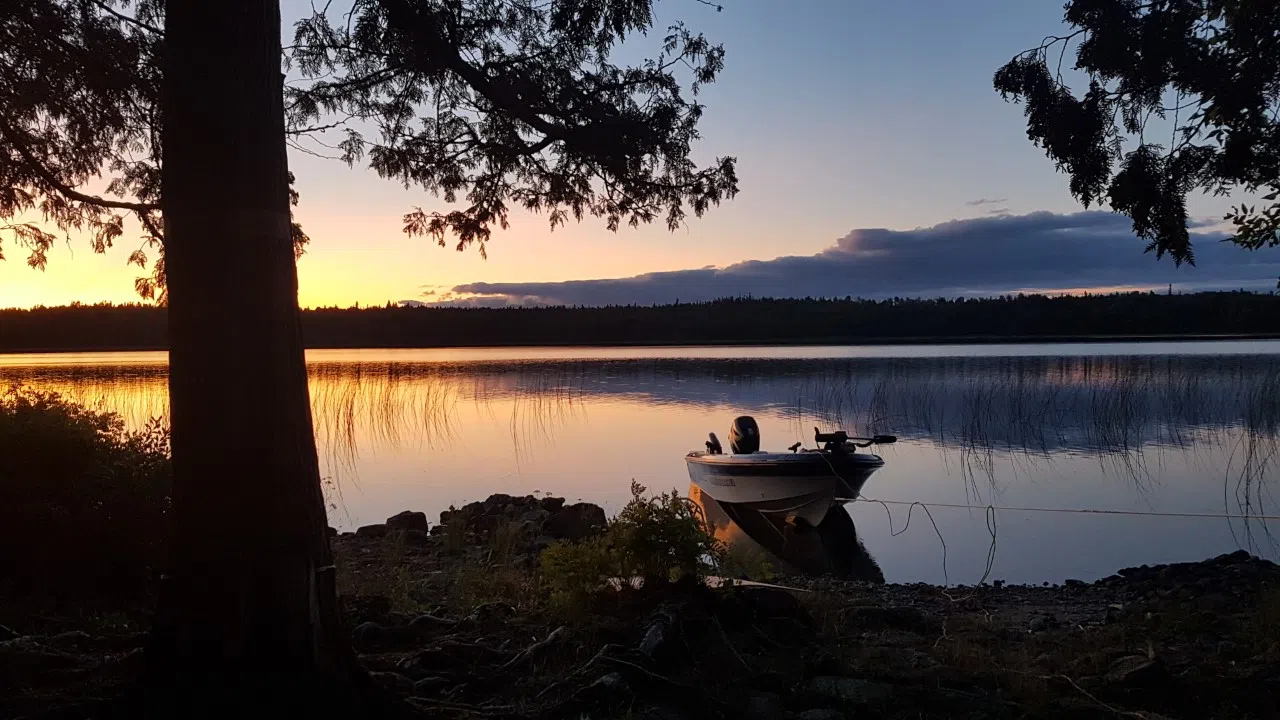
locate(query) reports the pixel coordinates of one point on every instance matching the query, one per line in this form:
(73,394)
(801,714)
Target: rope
(1087,511)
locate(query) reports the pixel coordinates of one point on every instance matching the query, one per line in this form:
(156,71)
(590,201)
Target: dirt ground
(458,624)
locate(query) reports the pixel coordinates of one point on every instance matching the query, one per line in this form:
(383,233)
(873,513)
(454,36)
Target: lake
(1030,463)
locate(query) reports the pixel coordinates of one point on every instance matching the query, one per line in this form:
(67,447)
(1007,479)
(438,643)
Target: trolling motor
(840,440)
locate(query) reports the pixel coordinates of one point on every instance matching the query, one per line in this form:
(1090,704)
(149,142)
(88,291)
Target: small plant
(746,562)
(505,540)
(663,538)
(656,539)
(574,572)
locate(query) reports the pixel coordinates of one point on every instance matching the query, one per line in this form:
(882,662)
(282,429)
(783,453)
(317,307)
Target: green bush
(656,539)
(574,572)
(83,501)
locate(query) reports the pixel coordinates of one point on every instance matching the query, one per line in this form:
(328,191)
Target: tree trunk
(248,610)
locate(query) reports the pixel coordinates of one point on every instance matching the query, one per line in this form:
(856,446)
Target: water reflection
(1193,434)
(755,539)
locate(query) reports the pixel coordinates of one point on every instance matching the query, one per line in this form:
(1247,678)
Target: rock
(658,636)
(534,516)
(551,504)
(1136,671)
(1073,583)
(414,538)
(372,531)
(611,686)
(409,520)
(1114,614)
(821,714)
(332,532)
(1042,623)
(762,706)
(394,681)
(427,623)
(575,522)
(850,690)
(368,635)
(7,634)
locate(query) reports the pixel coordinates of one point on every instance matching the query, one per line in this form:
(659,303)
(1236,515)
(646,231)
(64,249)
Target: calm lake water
(1092,456)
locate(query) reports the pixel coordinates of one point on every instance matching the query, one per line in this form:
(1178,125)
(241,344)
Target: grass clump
(654,539)
(83,501)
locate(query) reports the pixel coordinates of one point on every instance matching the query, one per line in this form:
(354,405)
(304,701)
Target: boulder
(368,635)
(1042,623)
(414,538)
(372,531)
(551,504)
(409,520)
(575,522)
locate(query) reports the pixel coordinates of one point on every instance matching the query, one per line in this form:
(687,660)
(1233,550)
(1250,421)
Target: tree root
(530,652)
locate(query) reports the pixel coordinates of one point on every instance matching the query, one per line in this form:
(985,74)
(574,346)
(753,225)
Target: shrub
(83,501)
(574,572)
(663,538)
(657,539)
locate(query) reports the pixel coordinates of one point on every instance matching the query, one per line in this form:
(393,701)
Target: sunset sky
(874,159)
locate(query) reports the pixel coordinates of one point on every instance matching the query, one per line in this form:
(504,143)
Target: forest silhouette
(720,322)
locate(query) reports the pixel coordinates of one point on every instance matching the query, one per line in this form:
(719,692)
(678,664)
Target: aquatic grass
(985,415)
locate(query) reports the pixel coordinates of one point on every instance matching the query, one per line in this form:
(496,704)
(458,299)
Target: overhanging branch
(66,190)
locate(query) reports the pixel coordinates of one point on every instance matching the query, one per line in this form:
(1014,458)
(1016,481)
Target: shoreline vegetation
(503,609)
(1125,317)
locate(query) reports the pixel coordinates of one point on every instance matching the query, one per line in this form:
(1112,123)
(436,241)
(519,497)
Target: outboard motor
(744,436)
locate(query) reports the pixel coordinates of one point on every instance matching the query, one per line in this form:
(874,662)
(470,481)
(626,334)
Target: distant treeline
(730,321)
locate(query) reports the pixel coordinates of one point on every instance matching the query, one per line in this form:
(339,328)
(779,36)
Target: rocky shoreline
(453,618)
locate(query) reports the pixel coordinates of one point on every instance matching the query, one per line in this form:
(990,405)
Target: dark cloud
(987,201)
(981,256)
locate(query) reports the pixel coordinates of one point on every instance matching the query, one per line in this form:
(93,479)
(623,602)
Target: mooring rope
(1086,511)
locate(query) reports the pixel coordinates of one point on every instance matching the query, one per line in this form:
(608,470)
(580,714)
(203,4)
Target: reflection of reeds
(361,409)
(1124,411)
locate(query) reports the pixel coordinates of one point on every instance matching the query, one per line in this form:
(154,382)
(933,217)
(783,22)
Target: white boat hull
(798,486)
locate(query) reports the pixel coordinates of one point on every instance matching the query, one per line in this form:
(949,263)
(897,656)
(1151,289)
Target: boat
(800,485)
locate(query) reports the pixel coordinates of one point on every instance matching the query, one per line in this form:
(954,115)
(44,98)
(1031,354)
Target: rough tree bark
(248,609)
